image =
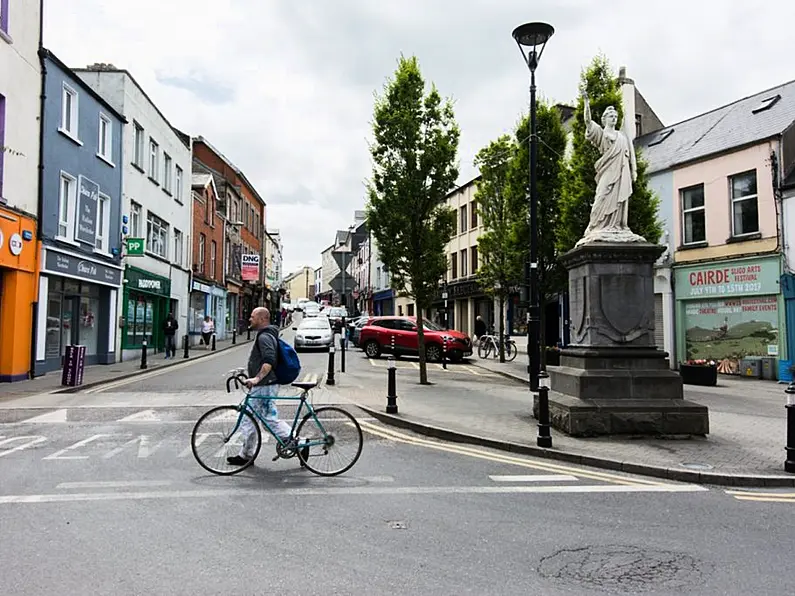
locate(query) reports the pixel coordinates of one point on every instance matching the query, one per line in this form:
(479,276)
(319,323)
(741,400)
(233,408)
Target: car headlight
(299,336)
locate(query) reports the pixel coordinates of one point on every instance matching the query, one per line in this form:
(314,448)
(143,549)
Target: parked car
(377,337)
(310,309)
(313,333)
(355,328)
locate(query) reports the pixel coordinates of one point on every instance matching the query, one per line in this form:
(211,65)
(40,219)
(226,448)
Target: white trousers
(267,409)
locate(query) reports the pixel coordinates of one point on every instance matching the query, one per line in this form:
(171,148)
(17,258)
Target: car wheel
(433,352)
(372,349)
(455,356)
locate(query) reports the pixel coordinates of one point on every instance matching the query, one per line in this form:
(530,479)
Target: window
(69,111)
(66,202)
(153,155)
(138,157)
(202,242)
(167,165)
(464,263)
(156,235)
(378,277)
(745,213)
(213,254)
(105,145)
(410,311)
(178,185)
(454,266)
(473,259)
(462,217)
(228,257)
(473,208)
(694,224)
(135,220)
(177,247)
(2,136)
(103,223)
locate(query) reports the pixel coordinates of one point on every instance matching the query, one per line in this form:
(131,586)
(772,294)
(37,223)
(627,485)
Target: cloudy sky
(285,87)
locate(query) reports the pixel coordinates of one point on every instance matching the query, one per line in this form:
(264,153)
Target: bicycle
(488,343)
(317,439)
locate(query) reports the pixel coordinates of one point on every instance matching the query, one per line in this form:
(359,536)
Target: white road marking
(535,478)
(60,454)
(114,484)
(353,490)
(34,440)
(58,416)
(145,416)
(370,479)
(144,448)
(474,372)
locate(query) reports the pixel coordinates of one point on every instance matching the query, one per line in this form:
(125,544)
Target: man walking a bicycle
(262,383)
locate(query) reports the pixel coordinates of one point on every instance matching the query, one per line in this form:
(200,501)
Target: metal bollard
(789,464)
(234,336)
(185,346)
(330,374)
(444,352)
(391,392)
(143,355)
(213,342)
(343,337)
(544,438)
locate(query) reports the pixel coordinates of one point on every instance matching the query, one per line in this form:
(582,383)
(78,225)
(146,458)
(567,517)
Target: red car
(377,337)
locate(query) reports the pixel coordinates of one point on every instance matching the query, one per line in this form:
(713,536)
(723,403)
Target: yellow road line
(765,499)
(499,458)
(749,493)
(473,371)
(415,365)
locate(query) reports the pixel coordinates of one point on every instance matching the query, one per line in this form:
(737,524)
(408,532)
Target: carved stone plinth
(613,379)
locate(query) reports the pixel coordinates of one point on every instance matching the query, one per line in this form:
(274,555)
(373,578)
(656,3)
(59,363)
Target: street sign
(444,295)
(135,247)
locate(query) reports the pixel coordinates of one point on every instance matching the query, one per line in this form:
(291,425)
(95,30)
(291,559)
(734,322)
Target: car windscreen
(313,325)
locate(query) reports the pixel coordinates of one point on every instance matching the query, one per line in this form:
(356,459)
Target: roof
(45,53)
(237,170)
(100,68)
(746,121)
(203,181)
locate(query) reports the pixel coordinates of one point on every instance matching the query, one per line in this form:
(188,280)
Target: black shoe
(237,460)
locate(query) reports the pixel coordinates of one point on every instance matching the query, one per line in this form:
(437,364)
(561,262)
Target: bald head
(260,318)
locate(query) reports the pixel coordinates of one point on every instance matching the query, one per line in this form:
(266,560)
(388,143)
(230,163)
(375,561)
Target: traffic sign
(135,247)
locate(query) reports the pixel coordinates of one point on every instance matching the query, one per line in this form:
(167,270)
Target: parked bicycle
(489,346)
(330,438)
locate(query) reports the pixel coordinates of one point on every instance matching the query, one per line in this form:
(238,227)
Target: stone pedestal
(612,379)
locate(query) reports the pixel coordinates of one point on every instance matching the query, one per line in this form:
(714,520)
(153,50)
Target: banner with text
(742,277)
(249,269)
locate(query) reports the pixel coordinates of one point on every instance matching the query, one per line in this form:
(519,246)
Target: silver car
(313,333)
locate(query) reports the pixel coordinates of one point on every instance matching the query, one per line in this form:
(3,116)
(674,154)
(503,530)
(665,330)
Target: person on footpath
(170,327)
(262,382)
(208,328)
(480,328)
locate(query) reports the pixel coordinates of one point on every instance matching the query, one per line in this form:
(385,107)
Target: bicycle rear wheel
(335,441)
(510,351)
(484,349)
(217,435)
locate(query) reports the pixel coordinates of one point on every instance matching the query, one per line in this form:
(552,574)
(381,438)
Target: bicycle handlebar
(238,377)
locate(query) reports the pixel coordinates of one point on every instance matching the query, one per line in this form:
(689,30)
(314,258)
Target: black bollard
(213,342)
(789,464)
(343,337)
(143,356)
(330,375)
(444,352)
(186,346)
(391,392)
(248,334)
(544,438)
(234,336)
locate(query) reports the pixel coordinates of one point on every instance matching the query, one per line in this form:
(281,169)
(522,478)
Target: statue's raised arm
(586,109)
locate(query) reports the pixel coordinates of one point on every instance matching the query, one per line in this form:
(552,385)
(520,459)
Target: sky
(284,88)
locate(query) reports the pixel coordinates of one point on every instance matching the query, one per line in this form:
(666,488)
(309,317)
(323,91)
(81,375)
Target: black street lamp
(534,37)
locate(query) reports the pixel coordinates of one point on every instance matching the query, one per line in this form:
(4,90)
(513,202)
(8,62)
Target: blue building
(79,215)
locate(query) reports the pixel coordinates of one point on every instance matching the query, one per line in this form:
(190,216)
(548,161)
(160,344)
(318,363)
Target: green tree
(550,171)
(579,185)
(500,257)
(414,167)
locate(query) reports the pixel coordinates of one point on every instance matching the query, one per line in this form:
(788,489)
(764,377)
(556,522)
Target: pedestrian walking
(170,326)
(208,328)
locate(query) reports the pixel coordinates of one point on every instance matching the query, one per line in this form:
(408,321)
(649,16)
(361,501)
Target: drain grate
(623,568)
(398,525)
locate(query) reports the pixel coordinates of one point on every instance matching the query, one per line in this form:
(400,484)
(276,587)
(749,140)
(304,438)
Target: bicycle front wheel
(510,351)
(334,441)
(218,436)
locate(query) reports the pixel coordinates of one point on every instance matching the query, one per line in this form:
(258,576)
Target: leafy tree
(501,257)
(579,186)
(414,167)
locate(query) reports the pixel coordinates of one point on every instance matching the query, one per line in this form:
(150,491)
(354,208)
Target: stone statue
(616,170)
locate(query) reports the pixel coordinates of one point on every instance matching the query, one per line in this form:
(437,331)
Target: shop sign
(731,278)
(86,221)
(135,247)
(200,287)
(138,279)
(63,264)
(249,267)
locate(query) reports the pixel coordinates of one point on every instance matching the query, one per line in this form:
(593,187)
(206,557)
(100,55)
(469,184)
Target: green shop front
(146,303)
(731,312)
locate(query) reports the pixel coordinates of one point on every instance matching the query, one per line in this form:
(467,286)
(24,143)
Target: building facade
(272,256)
(383,297)
(20,92)
(300,284)
(81,185)
(318,282)
(156,213)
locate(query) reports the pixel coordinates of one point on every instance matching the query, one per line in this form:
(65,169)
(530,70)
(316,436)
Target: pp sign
(249,267)
(135,246)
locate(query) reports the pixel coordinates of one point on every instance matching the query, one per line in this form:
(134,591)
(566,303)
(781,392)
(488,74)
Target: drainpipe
(40,197)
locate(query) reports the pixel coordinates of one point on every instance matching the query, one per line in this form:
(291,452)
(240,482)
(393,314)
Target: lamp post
(533,37)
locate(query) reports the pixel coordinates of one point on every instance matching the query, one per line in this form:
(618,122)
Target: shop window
(88,329)
(139,324)
(2,137)
(198,303)
(694,223)
(156,235)
(52,346)
(745,211)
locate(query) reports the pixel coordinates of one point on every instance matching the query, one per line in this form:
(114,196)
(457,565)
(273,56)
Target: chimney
(101,66)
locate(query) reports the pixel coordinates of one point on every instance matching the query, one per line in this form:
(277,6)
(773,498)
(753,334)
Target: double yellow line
(742,495)
(392,435)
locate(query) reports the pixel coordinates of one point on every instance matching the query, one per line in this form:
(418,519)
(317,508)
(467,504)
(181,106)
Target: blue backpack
(288,365)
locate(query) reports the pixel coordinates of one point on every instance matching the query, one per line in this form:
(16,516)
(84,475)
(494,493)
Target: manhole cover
(398,525)
(696,466)
(622,568)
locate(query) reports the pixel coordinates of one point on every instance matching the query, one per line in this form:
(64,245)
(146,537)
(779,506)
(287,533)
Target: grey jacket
(265,349)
